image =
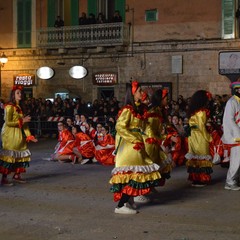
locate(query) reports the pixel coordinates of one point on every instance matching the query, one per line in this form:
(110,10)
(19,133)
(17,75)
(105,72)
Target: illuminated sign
(105,78)
(24,79)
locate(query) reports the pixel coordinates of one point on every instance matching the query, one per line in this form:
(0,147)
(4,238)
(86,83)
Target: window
(24,23)
(107,7)
(151,15)
(228,19)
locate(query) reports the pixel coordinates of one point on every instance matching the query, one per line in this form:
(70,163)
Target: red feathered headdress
(15,87)
(135,85)
(164,93)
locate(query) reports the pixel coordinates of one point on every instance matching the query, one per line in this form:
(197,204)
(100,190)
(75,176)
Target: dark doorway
(28,93)
(105,93)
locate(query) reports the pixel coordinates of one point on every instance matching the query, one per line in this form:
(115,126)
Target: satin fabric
(14,156)
(130,162)
(198,157)
(66,142)
(84,144)
(104,151)
(153,139)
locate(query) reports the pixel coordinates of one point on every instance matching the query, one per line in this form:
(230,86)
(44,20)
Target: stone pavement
(62,201)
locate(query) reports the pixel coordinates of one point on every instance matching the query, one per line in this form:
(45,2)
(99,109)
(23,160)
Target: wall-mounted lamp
(3,60)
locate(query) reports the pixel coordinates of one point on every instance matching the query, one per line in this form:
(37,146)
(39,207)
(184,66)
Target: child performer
(15,156)
(199,165)
(154,138)
(134,173)
(105,148)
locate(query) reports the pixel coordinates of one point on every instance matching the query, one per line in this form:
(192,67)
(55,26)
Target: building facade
(174,44)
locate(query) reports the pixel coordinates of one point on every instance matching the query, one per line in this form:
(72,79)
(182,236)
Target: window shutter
(51,13)
(24,23)
(228,19)
(74,12)
(92,7)
(120,5)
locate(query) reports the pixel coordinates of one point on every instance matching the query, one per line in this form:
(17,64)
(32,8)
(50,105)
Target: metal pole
(177,85)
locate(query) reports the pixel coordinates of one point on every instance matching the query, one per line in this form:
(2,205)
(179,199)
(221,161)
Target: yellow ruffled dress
(199,164)
(14,155)
(134,173)
(153,139)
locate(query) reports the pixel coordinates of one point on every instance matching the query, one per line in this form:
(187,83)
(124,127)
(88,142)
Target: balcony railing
(94,35)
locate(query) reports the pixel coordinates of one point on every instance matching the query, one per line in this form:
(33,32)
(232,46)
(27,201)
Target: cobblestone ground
(63,201)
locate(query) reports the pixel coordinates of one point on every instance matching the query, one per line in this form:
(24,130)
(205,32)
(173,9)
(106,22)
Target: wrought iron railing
(108,34)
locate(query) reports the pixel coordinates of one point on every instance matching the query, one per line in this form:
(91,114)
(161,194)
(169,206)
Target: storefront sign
(105,78)
(24,79)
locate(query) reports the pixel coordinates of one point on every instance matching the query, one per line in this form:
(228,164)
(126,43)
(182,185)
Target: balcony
(94,35)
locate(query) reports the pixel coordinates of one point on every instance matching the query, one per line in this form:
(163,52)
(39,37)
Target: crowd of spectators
(43,109)
(105,109)
(91,19)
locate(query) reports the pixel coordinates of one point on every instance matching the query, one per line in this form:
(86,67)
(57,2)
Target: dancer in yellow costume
(15,156)
(154,137)
(134,173)
(199,164)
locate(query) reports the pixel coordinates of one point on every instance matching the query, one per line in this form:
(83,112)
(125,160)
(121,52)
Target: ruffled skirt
(14,161)
(199,167)
(134,180)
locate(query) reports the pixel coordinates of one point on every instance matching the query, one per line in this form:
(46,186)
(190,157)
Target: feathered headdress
(15,87)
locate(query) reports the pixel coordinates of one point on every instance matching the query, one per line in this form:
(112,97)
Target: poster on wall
(149,88)
(229,62)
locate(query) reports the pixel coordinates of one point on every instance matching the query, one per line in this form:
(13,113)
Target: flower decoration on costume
(135,86)
(30,138)
(209,95)
(164,93)
(15,87)
(138,146)
(20,122)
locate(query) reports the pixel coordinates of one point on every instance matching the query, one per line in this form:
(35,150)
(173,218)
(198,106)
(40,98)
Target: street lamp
(3,60)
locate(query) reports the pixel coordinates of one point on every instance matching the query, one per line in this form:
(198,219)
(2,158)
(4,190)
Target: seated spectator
(70,123)
(99,135)
(111,123)
(117,17)
(83,122)
(77,120)
(179,127)
(175,144)
(90,130)
(83,146)
(105,148)
(83,19)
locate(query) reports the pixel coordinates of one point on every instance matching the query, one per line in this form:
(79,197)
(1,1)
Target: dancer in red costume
(63,150)
(83,146)
(105,148)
